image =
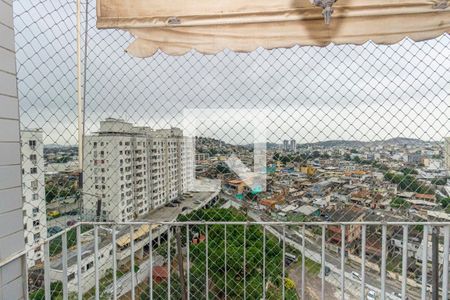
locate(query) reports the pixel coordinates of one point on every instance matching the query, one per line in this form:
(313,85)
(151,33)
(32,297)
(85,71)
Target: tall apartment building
(293,145)
(33,187)
(131,170)
(286,145)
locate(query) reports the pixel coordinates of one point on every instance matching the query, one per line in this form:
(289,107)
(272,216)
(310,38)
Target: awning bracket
(327,6)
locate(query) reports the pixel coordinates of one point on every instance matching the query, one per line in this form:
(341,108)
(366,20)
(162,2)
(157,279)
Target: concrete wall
(12,279)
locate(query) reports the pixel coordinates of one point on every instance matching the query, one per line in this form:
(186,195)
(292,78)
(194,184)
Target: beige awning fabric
(209,26)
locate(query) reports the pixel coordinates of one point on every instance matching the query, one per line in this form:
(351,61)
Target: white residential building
(286,145)
(33,186)
(130,170)
(293,145)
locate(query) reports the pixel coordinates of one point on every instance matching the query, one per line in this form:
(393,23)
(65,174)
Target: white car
(371,295)
(356,276)
(396,296)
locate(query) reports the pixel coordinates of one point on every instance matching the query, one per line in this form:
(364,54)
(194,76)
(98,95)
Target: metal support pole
(64,263)
(169,263)
(363,262)
(133,278)
(79,262)
(445,265)
(80,103)
(383,261)
(96,271)
(180,263)
(303,262)
(150,258)
(264,262)
(283,288)
(226,268)
(188,263)
(342,262)
(424,262)
(322,287)
(47,288)
(404,260)
(435,262)
(245,261)
(206,265)
(114,262)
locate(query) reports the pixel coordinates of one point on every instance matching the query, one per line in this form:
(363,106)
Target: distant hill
(336,143)
(401,141)
(398,141)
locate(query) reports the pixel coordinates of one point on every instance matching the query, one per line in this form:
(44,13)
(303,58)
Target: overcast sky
(366,92)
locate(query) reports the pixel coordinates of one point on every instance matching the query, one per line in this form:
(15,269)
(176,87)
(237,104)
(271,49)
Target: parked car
(53,214)
(356,276)
(289,258)
(54,230)
(371,295)
(71,222)
(327,270)
(396,296)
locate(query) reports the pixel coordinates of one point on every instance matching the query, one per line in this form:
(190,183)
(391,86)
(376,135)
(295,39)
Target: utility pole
(435,262)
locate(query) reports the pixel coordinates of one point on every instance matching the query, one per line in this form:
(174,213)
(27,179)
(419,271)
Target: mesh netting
(351,133)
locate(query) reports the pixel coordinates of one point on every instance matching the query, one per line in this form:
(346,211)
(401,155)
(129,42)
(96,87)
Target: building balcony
(257,260)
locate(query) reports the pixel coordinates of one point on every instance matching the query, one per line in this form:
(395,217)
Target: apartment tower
(130,170)
(33,187)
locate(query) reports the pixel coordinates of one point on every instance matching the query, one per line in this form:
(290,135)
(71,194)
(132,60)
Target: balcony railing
(241,260)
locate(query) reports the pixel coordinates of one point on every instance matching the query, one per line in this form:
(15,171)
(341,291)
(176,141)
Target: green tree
(240,241)
(445,202)
(439,181)
(409,171)
(398,202)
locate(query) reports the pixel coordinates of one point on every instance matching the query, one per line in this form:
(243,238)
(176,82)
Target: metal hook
(327,8)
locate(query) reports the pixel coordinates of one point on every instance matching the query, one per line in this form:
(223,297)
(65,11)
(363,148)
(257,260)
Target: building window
(71,276)
(33,170)
(34,184)
(33,158)
(32,144)
(36,223)
(35,196)
(35,211)
(36,237)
